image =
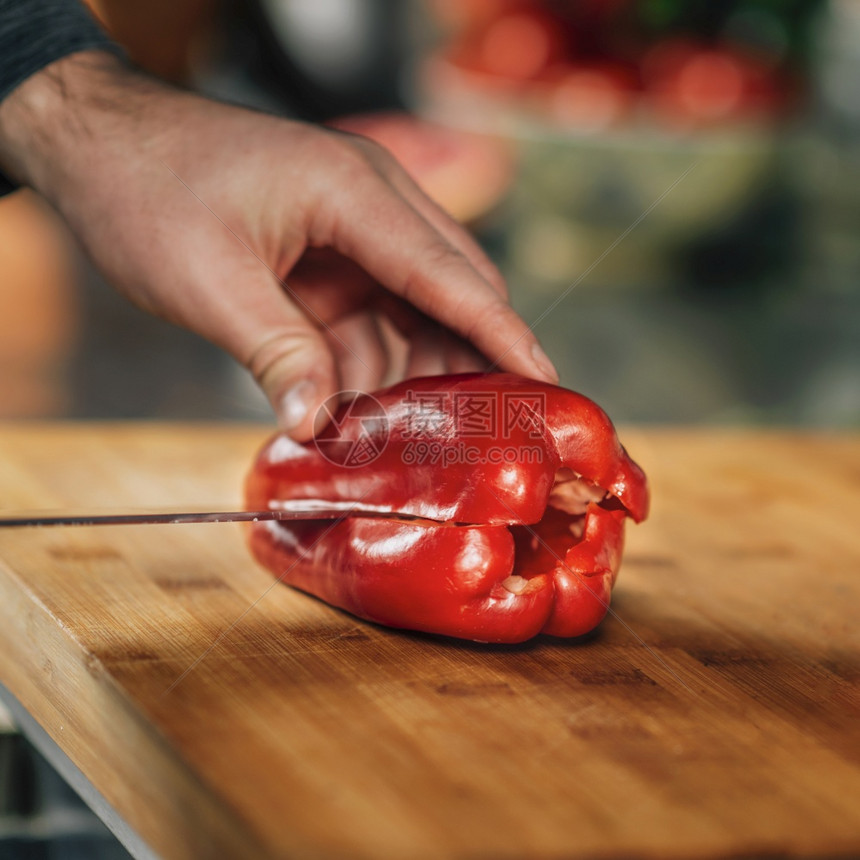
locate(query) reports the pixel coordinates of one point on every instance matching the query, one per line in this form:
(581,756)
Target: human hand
(283,243)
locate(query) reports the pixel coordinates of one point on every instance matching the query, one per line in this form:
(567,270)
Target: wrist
(50,123)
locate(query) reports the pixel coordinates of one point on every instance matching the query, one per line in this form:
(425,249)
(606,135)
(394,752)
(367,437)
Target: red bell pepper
(535,472)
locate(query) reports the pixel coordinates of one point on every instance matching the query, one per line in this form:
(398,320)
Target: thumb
(286,353)
(295,369)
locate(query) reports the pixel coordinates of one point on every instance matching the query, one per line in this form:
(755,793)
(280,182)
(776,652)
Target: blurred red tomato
(588,98)
(517,45)
(693,84)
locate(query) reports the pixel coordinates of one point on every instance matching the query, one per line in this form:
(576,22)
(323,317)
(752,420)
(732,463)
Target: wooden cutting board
(223,716)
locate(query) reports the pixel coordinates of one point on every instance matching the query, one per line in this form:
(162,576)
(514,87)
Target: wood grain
(715,714)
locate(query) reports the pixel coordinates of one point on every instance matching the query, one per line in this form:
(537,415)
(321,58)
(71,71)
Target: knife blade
(149,516)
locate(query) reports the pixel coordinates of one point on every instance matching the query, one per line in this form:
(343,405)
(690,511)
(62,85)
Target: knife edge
(49,518)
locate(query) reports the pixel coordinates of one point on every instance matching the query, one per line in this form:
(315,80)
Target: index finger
(375,226)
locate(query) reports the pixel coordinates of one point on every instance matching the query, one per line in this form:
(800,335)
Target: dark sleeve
(34,33)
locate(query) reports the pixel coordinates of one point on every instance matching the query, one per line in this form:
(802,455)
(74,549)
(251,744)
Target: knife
(159,516)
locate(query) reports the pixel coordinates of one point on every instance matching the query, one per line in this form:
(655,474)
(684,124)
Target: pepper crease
(534,471)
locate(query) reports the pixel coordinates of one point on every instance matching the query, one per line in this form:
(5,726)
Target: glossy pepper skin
(537,473)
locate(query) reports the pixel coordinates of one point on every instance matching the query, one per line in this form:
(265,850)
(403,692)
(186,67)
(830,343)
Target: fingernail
(296,404)
(546,367)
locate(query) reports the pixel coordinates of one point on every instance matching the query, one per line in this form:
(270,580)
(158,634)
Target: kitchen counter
(217,713)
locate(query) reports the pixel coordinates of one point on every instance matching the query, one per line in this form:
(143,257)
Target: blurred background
(672,188)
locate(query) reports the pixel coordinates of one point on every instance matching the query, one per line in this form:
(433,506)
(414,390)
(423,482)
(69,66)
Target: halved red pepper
(535,472)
